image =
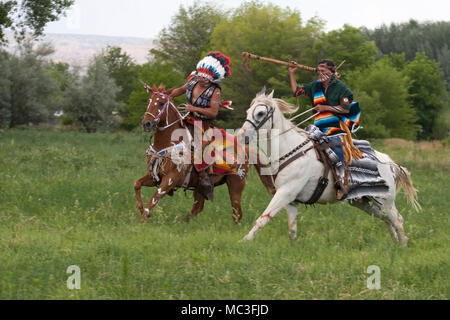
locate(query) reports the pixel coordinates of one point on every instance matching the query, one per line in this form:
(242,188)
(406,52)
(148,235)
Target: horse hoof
(148,213)
(404,242)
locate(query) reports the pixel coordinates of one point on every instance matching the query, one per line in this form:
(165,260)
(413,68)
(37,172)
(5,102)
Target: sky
(146,18)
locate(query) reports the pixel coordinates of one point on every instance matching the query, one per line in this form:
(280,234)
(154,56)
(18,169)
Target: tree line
(400,82)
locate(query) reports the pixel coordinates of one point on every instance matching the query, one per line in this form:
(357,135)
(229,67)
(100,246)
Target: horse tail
(262,164)
(403,181)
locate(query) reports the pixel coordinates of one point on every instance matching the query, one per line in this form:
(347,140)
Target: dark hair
(329,63)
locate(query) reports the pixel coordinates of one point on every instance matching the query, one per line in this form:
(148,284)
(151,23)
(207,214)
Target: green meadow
(67,198)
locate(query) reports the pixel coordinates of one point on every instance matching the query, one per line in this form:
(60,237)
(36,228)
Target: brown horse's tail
(262,166)
(403,181)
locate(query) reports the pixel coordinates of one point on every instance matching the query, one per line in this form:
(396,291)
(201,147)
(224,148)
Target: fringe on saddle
(350,151)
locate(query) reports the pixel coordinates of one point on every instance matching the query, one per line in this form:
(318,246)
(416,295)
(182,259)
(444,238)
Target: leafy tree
(441,128)
(411,37)
(32,15)
(372,125)
(351,45)
(267,31)
(5,89)
(122,69)
(31,86)
(385,97)
(186,39)
(151,73)
(92,102)
(427,91)
(64,77)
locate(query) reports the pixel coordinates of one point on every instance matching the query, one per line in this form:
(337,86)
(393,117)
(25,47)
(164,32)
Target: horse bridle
(259,124)
(157,118)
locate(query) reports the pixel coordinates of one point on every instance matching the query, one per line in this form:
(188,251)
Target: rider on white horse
(332,100)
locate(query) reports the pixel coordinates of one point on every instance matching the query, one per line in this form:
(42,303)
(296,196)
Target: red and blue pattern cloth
(225,151)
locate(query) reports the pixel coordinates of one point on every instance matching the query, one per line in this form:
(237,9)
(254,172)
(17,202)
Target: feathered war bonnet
(215,66)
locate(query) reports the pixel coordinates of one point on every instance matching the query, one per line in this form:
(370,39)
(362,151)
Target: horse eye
(260,114)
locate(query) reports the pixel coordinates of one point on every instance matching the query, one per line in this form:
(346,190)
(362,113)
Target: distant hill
(78,49)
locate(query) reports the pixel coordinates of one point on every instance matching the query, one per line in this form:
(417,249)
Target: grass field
(67,198)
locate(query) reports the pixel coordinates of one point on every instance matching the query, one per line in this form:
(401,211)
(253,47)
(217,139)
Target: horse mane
(285,107)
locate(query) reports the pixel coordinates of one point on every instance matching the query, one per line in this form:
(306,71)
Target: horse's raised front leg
(144,181)
(168,182)
(284,196)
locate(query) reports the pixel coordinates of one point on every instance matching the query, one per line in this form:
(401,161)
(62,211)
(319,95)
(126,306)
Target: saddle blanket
(364,178)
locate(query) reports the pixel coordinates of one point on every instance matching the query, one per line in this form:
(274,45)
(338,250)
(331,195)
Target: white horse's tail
(403,181)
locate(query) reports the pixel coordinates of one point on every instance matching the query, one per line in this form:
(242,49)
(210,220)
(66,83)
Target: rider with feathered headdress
(203,101)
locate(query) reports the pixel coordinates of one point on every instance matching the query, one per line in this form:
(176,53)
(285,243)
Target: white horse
(297,181)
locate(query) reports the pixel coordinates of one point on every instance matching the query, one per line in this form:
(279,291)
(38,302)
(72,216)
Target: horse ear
(262,92)
(146,86)
(270,96)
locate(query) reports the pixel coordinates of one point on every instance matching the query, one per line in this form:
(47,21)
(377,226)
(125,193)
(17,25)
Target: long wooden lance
(248,56)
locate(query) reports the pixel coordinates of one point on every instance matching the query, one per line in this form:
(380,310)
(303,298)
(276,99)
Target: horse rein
(269,115)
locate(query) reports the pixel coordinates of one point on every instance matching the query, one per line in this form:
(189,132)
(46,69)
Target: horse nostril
(247,139)
(147,125)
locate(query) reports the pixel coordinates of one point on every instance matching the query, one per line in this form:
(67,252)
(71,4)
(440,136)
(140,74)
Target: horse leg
(199,201)
(144,181)
(282,197)
(292,212)
(396,221)
(236,185)
(168,182)
(388,217)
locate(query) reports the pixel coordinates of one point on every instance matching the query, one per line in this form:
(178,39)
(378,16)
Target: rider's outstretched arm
(178,91)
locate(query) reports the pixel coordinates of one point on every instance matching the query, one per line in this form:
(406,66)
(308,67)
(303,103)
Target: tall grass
(67,198)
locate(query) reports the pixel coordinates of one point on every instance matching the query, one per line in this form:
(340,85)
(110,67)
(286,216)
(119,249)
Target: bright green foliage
(372,115)
(186,38)
(92,103)
(427,92)
(268,31)
(348,44)
(389,99)
(152,73)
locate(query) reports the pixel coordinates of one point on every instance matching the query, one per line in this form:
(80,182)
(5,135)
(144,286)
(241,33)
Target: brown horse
(167,168)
